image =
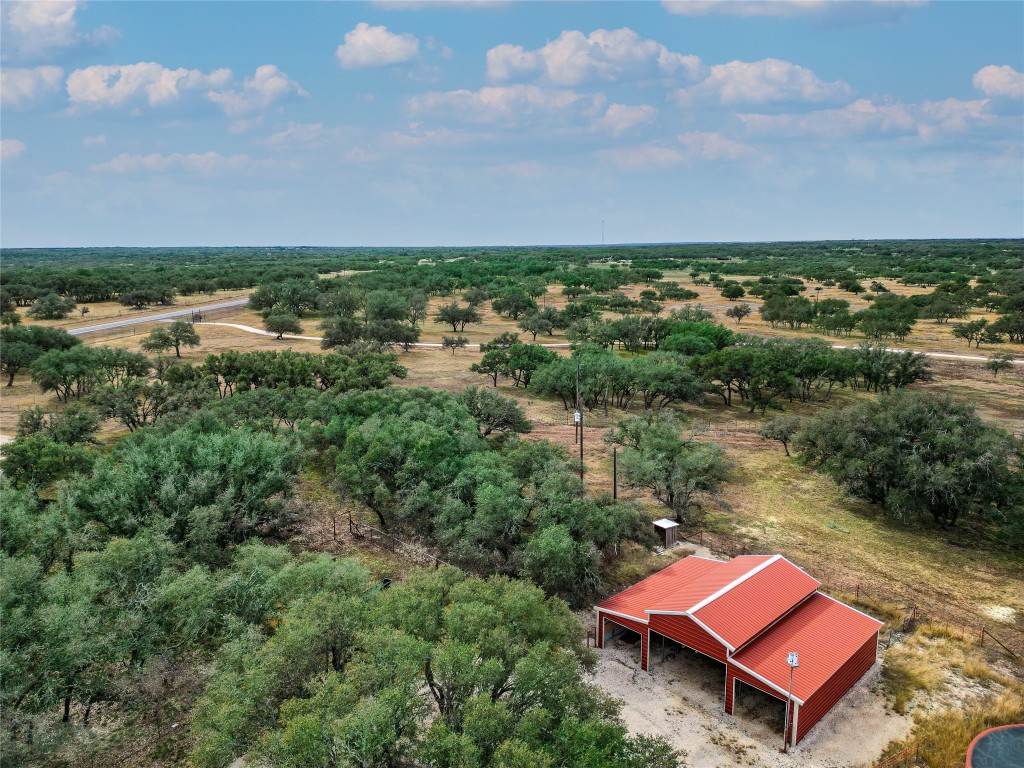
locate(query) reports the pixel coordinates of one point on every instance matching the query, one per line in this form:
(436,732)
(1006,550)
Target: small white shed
(666,530)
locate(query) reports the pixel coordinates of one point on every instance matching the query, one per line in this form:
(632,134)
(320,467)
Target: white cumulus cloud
(929,120)
(692,147)
(1001,82)
(621,118)
(367,46)
(603,55)
(103,86)
(708,145)
(510,104)
(22,87)
(861,117)
(94,141)
(11,148)
(863,11)
(206,163)
(34,29)
(268,86)
(643,157)
(761,82)
(952,116)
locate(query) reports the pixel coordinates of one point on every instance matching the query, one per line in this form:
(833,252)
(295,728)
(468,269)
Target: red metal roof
(635,600)
(749,606)
(685,596)
(823,631)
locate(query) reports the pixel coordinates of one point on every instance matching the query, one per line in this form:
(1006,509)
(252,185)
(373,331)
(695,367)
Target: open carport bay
(681,699)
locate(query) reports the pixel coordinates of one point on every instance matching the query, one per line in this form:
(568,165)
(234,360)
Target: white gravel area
(682,699)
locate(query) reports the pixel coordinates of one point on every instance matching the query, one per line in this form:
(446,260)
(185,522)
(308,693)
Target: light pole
(794,661)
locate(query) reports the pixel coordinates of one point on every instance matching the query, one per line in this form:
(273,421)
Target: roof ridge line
(735,583)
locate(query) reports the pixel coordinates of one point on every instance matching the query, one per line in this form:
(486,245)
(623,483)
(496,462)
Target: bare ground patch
(682,700)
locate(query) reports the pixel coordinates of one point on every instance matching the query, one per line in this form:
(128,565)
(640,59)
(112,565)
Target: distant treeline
(101,274)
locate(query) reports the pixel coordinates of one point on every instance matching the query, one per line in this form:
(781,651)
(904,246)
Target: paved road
(565,345)
(156,318)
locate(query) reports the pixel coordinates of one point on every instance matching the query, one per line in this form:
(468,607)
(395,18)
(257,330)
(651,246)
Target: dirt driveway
(682,699)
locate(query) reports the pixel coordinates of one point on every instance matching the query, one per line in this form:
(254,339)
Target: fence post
(856,593)
(981,637)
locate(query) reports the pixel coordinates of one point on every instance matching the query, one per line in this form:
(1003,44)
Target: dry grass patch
(780,506)
(105,311)
(943,736)
(937,659)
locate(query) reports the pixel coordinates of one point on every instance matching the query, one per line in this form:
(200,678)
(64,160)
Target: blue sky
(461,123)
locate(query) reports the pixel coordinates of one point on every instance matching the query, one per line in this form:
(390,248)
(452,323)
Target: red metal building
(749,613)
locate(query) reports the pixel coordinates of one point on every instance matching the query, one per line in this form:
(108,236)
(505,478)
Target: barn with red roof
(749,613)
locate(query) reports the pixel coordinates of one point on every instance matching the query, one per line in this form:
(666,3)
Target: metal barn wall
(819,704)
(685,630)
(636,626)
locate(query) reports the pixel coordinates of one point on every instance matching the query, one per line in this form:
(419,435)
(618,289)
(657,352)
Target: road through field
(566,345)
(170,315)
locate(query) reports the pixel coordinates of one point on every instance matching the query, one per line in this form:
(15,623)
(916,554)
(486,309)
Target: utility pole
(579,416)
(602,231)
(794,661)
(615,474)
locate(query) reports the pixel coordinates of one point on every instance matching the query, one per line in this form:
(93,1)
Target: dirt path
(419,344)
(566,345)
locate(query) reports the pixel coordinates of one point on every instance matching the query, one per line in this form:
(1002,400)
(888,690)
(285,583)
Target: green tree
(733,291)
(51,307)
(513,301)
(340,331)
(69,373)
(281,323)
(494,412)
(534,323)
(15,356)
(781,428)
(524,359)
(180,333)
(457,317)
(999,363)
(386,305)
(678,470)
(38,460)
(972,332)
(916,454)
(475,296)
(494,363)
(453,342)
(739,312)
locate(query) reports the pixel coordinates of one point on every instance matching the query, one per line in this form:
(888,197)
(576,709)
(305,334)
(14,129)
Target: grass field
(770,501)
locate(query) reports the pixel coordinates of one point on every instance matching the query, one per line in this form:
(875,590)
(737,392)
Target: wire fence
(143,327)
(377,537)
(904,757)
(79,320)
(553,415)
(910,605)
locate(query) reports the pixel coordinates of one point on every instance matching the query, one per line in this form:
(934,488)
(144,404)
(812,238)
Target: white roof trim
(620,615)
(696,621)
(752,572)
(866,616)
(764,680)
(711,632)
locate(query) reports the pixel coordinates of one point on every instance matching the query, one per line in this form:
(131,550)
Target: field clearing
(926,335)
(111,310)
(770,500)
